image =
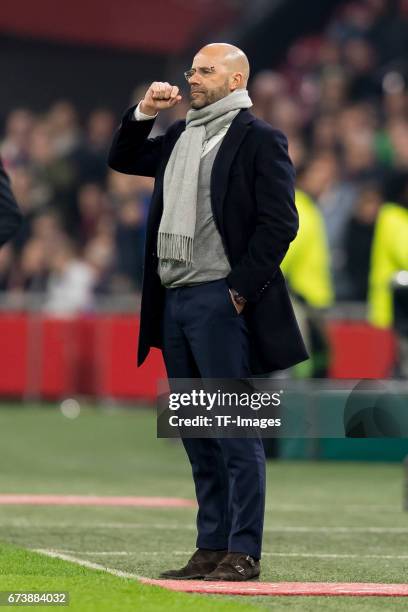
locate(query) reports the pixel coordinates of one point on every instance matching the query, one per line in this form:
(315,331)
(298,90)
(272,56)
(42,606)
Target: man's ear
(236,80)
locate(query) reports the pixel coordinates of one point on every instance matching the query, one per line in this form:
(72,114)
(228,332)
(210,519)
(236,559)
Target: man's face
(209,81)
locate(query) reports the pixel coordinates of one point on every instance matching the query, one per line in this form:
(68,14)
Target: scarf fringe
(180,182)
(175,247)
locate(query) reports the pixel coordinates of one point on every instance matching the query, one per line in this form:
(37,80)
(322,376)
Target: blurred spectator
(324,133)
(47,227)
(33,271)
(306,267)
(359,158)
(389,255)
(359,57)
(99,254)
(129,244)
(335,197)
(22,181)
(92,204)
(124,186)
(64,128)
(395,97)
(287,114)
(90,157)
(71,282)
(333,90)
(6,262)
(398,136)
(265,88)
(19,125)
(101,125)
(307,263)
(297,151)
(359,234)
(55,178)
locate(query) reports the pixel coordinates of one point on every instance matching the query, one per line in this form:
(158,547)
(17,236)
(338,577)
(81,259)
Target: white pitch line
(335,555)
(337,529)
(120,553)
(344,508)
(65,557)
(181,527)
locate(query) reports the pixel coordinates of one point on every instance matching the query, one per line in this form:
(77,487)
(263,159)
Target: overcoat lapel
(220,171)
(223,160)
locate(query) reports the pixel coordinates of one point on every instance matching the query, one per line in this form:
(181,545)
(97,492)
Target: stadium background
(76,415)
(331,75)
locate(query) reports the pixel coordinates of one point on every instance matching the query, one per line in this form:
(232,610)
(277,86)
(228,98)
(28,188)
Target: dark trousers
(205,337)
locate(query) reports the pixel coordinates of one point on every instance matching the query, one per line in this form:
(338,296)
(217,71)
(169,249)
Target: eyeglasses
(204,72)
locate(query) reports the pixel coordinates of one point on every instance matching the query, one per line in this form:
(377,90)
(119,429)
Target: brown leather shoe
(235,567)
(201,563)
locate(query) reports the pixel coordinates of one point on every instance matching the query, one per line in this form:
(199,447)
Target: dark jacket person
(252,199)
(214,300)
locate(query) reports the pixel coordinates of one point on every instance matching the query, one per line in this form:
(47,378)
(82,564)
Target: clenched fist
(159,96)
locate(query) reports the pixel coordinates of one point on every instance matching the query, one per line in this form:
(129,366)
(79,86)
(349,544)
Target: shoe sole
(253,578)
(196,577)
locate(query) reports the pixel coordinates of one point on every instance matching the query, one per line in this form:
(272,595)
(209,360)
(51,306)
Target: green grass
(93,590)
(117,453)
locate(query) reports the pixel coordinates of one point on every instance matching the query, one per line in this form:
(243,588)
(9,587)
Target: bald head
(231,57)
(217,70)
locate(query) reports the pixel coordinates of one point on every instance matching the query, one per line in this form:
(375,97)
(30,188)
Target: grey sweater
(209,259)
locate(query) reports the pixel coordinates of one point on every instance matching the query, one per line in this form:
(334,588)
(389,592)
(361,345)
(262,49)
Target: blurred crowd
(84,225)
(341,98)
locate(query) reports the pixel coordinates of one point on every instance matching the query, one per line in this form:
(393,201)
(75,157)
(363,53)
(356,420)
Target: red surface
(161,26)
(59,348)
(86,354)
(96,500)
(119,375)
(95,355)
(360,350)
(14,353)
(361,589)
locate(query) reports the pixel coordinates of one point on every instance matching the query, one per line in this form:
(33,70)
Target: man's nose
(195,79)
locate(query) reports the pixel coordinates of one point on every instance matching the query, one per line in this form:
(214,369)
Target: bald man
(214,300)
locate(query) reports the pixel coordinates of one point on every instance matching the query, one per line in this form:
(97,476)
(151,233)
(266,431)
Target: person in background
(14,148)
(306,267)
(90,156)
(71,282)
(10,214)
(31,275)
(93,206)
(266,87)
(389,255)
(129,238)
(323,181)
(54,174)
(6,261)
(358,239)
(22,184)
(388,284)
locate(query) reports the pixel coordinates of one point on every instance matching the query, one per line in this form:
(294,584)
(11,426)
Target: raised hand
(158,97)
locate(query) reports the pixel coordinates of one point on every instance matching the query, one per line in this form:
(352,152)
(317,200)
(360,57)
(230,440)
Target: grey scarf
(177,225)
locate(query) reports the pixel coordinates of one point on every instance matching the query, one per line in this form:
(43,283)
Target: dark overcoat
(252,198)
